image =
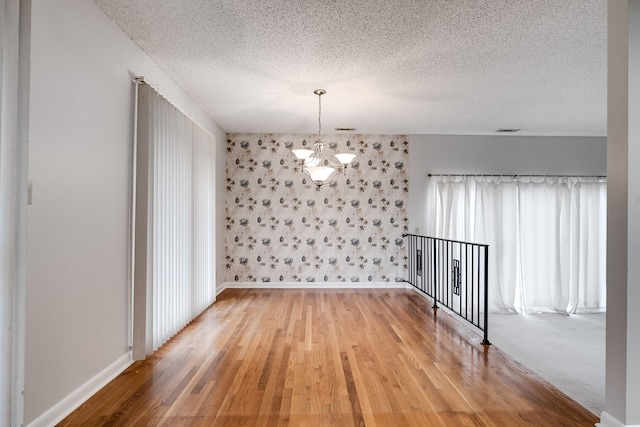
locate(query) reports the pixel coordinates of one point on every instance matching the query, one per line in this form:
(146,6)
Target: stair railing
(453,274)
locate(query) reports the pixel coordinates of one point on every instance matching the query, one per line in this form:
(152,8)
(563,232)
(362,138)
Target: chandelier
(320,166)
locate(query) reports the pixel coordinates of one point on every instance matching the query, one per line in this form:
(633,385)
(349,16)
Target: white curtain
(546,235)
(496,224)
(589,275)
(174,263)
(545,213)
(455,219)
(15,36)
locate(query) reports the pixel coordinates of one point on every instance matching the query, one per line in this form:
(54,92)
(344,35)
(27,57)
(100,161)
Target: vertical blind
(15,42)
(547,236)
(175,199)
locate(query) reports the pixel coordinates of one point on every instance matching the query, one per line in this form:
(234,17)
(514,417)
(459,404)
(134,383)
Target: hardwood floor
(327,358)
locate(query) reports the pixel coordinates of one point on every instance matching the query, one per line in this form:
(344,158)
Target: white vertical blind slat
(159,244)
(172,232)
(160,174)
(169,231)
(157,188)
(163,132)
(186,225)
(167,279)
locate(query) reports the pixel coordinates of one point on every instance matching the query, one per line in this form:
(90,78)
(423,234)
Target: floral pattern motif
(280,227)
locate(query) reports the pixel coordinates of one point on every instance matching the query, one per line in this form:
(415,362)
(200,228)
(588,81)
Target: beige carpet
(567,351)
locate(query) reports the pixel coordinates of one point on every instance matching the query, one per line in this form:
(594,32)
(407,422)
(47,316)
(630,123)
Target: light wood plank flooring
(327,358)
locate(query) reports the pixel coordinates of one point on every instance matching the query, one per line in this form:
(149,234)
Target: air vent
(345,129)
(507,130)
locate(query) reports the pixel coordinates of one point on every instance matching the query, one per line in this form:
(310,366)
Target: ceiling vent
(507,130)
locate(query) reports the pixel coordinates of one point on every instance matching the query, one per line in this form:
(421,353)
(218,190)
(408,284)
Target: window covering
(174,269)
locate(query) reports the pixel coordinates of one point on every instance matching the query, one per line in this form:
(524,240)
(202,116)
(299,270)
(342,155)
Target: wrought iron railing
(453,274)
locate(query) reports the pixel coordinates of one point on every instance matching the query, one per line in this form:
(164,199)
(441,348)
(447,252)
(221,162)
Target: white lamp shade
(320,174)
(302,153)
(345,158)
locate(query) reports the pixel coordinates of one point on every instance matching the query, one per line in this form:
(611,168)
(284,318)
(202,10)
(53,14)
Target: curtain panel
(547,236)
(174,260)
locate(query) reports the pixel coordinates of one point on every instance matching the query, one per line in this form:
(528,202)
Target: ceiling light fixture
(320,167)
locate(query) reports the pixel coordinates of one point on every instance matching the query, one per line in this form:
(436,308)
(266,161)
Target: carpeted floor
(567,351)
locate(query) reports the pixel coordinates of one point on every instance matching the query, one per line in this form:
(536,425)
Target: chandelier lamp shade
(321,165)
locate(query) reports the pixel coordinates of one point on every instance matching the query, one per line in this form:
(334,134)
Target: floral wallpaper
(280,227)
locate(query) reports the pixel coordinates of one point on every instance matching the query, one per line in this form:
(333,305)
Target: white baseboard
(221,288)
(60,410)
(607,420)
(313,285)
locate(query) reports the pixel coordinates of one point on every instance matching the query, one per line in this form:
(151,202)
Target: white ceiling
(389,66)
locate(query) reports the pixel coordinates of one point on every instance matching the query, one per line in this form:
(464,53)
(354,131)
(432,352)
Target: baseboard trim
(60,410)
(313,285)
(221,288)
(607,420)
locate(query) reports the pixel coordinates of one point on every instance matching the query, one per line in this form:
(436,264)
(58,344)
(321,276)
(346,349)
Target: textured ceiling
(400,66)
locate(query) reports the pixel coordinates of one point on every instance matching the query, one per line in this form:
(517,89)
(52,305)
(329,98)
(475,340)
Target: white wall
(78,226)
(499,154)
(622,388)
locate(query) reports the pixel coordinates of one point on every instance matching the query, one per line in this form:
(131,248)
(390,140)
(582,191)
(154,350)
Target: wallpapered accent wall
(280,227)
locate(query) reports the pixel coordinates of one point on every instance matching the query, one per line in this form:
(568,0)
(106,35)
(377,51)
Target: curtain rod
(517,175)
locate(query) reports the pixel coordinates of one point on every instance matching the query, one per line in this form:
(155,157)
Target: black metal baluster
(485,341)
(473,259)
(436,255)
(412,243)
(466,282)
(421,267)
(450,273)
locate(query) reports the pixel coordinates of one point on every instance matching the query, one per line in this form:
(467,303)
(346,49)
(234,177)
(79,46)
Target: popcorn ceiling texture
(389,67)
(282,228)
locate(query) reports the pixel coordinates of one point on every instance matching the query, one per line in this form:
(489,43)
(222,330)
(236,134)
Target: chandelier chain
(319,113)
